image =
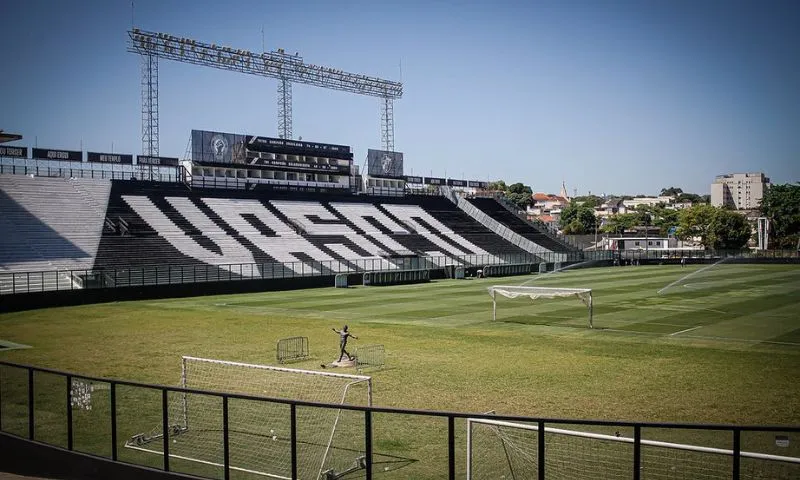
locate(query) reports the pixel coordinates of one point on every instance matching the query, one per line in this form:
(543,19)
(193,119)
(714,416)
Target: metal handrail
(368,411)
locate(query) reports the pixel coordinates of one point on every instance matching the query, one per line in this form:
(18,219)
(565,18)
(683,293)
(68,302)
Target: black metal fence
(110,172)
(166,274)
(44,405)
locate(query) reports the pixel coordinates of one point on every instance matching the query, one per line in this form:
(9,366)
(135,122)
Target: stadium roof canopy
(9,137)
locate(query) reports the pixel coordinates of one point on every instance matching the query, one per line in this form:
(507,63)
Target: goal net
(509,450)
(329,440)
(534,293)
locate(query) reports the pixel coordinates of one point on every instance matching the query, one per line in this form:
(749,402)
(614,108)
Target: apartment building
(740,191)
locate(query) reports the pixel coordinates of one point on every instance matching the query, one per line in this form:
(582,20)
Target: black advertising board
(434,181)
(413,179)
(381,163)
(292,165)
(218,147)
(477,184)
(15,152)
(456,183)
(120,159)
(157,161)
(65,155)
(298,147)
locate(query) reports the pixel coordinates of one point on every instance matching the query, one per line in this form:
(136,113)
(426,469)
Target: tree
(695,222)
(617,224)
(498,186)
(521,200)
(781,205)
(590,201)
(690,198)
(730,230)
(665,219)
(717,227)
(516,193)
(577,219)
(671,192)
(520,188)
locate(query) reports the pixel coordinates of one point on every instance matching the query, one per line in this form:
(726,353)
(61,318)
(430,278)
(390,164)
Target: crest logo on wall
(386,163)
(382,163)
(219,146)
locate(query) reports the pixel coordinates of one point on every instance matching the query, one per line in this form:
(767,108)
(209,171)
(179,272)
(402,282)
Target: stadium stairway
(494,209)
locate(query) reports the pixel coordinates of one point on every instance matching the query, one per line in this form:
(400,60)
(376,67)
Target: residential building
(547,207)
(632,203)
(611,207)
(740,191)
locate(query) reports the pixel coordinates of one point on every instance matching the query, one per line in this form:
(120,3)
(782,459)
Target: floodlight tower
(150,105)
(287,69)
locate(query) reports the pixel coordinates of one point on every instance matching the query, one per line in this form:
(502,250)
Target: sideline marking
(684,331)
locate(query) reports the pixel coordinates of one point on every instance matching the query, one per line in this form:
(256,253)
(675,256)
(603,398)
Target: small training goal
(329,441)
(534,293)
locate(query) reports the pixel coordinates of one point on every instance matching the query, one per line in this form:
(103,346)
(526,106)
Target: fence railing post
(368,443)
(293,437)
(113,394)
(737,452)
(451,447)
(226,453)
(540,450)
(69,412)
(31,421)
(165,426)
(637,452)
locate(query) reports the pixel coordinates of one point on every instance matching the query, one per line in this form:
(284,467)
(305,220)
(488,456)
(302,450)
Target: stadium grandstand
(243,207)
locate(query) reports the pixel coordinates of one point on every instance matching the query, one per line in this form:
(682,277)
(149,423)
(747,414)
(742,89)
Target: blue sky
(610,96)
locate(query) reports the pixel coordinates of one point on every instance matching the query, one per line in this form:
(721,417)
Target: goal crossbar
(534,293)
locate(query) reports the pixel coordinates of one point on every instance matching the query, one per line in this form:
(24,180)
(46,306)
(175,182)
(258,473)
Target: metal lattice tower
(285,109)
(287,69)
(150,104)
(387,124)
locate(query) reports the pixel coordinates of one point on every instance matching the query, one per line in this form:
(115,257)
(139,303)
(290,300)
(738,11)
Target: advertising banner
(381,163)
(15,152)
(434,181)
(65,155)
(109,158)
(156,161)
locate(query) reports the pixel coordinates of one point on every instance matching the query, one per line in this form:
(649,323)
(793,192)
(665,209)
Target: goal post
(510,450)
(328,440)
(534,293)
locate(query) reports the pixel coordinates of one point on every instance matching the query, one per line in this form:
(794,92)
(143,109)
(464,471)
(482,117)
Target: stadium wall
(59,298)
(87,296)
(26,457)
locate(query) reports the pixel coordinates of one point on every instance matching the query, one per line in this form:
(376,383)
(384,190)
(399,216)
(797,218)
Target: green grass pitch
(721,346)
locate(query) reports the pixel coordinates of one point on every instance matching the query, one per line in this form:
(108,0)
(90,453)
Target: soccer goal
(509,450)
(329,440)
(515,291)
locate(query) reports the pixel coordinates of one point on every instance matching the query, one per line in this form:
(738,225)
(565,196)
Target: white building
(740,191)
(649,201)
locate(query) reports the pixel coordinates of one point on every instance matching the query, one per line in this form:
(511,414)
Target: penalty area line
(684,331)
